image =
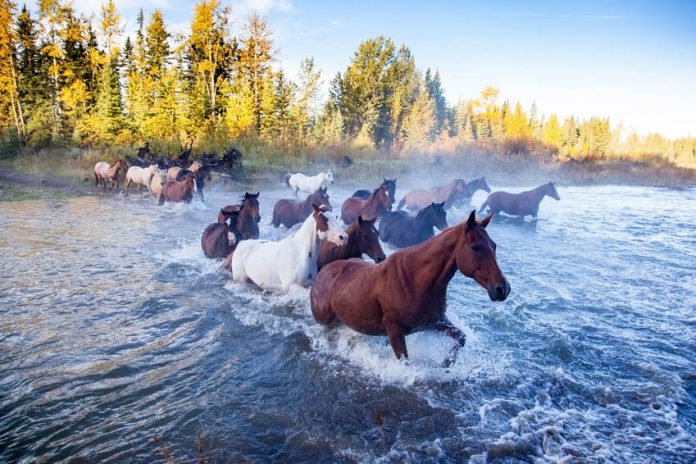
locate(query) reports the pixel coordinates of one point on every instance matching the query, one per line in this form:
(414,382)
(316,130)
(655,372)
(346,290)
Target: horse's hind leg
(320,301)
(444,325)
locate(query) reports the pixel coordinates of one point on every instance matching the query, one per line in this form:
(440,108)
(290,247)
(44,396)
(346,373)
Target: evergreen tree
(421,123)
(9,93)
(437,94)
(31,81)
(255,59)
(304,109)
(157,45)
(552,133)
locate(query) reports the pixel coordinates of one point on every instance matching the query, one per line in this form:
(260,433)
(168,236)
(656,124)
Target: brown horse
(290,212)
(407,292)
(375,206)
(220,239)
(249,215)
(362,238)
(520,204)
(420,198)
(178,191)
(389,183)
(104,172)
(401,230)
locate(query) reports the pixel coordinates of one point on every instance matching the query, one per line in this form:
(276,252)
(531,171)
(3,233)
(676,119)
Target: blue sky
(632,61)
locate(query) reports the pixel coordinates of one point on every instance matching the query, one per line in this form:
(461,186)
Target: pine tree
(420,125)
(552,133)
(255,60)
(436,92)
(9,101)
(304,109)
(157,45)
(31,82)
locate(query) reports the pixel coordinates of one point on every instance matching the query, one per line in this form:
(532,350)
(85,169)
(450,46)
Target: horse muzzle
(499,291)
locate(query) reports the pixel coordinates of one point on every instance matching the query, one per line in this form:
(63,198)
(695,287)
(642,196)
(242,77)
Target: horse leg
(320,301)
(125,187)
(397,338)
(444,325)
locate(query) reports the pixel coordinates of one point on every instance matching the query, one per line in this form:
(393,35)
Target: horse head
(435,214)
(391,188)
(551,191)
(328,176)
(460,186)
(381,198)
(327,226)
(231,225)
(475,258)
(321,198)
(367,238)
(483,185)
(252,203)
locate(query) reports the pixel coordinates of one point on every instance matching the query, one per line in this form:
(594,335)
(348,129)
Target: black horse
(401,230)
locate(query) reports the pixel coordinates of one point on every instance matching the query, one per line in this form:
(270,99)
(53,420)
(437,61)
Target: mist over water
(114,329)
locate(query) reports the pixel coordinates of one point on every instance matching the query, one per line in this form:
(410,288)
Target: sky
(631,61)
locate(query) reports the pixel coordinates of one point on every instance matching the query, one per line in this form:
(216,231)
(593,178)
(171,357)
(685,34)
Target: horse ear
(471,222)
(360,219)
(442,204)
(484,222)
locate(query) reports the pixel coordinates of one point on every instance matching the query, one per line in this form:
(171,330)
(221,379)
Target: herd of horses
(393,296)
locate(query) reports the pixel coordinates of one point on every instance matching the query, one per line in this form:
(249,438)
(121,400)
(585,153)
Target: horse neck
(449,189)
(537,194)
(472,186)
(307,238)
(372,205)
(434,261)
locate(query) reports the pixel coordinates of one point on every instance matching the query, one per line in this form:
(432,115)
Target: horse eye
(477,248)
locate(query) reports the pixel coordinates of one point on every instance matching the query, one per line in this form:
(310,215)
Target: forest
(69,80)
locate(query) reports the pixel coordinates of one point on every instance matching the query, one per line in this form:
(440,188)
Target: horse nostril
(500,290)
(340,237)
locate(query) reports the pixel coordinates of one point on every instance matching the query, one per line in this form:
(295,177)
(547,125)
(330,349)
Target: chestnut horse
(362,238)
(177,191)
(520,204)
(401,230)
(201,175)
(420,198)
(219,239)
(391,187)
(408,291)
(290,212)
(104,172)
(249,215)
(375,206)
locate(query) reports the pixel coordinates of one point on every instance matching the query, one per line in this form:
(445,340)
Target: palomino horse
(520,204)
(290,262)
(362,238)
(178,191)
(290,212)
(408,291)
(300,182)
(220,238)
(158,180)
(140,177)
(375,206)
(401,230)
(391,187)
(173,172)
(420,198)
(249,215)
(104,172)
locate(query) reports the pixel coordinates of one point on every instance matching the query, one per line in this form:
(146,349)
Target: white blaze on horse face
(231,239)
(335,233)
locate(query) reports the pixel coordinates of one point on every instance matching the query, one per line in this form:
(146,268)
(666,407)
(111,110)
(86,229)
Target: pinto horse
(520,204)
(219,239)
(302,183)
(178,191)
(290,212)
(391,187)
(290,262)
(420,198)
(104,172)
(375,206)
(139,176)
(402,230)
(249,215)
(408,291)
(362,238)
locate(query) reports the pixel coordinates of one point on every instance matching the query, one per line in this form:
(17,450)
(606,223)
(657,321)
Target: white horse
(140,177)
(300,182)
(158,180)
(291,262)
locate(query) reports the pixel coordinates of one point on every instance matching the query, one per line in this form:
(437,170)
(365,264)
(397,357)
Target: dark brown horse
(290,212)
(420,198)
(407,292)
(362,238)
(249,215)
(220,239)
(104,172)
(375,206)
(520,204)
(178,191)
(391,187)
(401,230)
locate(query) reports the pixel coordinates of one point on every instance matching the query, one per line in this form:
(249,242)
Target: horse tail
(401,203)
(287,179)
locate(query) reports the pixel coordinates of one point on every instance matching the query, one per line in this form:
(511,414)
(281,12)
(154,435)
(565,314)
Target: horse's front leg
(446,326)
(397,338)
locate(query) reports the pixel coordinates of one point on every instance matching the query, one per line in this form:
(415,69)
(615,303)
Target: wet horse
(401,230)
(201,175)
(420,198)
(173,172)
(375,206)
(249,215)
(290,212)
(219,239)
(140,177)
(157,182)
(391,188)
(303,183)
(520,204)
(408,291)
(178,191)
(104,172)
(362,238)
(472,187)
(290,262)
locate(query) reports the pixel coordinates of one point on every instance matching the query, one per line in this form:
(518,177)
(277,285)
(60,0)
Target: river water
(115,329)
